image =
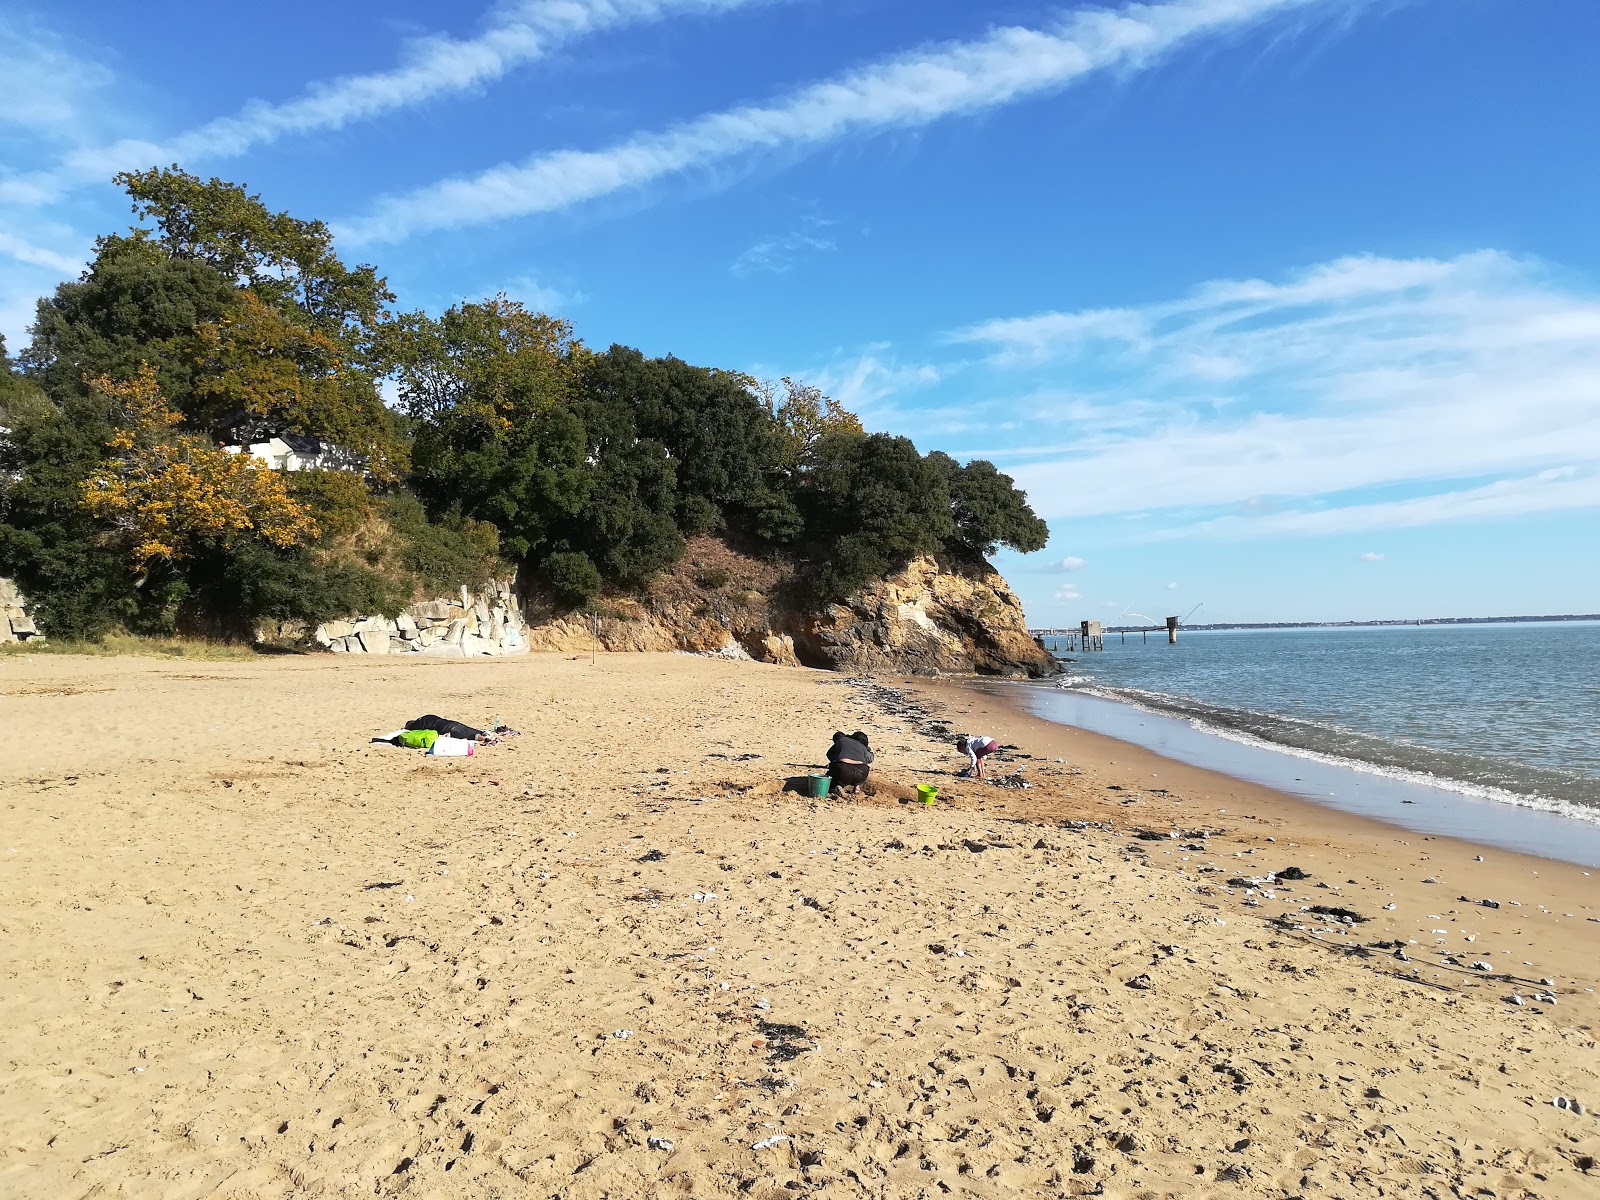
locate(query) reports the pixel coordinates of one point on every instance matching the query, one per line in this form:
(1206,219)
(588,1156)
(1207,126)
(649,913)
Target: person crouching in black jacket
(849,760)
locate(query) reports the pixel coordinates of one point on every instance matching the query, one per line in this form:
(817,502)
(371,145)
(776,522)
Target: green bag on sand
(418,739)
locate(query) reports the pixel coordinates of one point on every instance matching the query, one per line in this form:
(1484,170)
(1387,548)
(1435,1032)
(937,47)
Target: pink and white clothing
(979,746)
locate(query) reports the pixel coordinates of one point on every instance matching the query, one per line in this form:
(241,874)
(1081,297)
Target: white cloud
(537,295)
(1172,587)
(1067,592)
(1554,490)
(1073,563)
(862,382)
(1371,557)
(517,34)
(906,91)
(50,90)
(39,256)
(775,256)
(1360,373)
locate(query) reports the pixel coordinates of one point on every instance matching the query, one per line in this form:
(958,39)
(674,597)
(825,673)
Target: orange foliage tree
(164,492)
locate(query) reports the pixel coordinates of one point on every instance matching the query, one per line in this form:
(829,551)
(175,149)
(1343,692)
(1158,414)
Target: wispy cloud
(1073,563)
(1370,556)
(778,255)
(1361,373)
(906,91)
(1068,592)
(862,381)
(1555,490)
(51,89)
(432,67)
(39,256)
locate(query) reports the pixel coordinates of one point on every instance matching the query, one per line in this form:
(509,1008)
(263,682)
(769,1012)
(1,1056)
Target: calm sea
(1508,713)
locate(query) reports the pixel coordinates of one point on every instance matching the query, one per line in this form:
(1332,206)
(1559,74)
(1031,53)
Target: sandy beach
(245,953)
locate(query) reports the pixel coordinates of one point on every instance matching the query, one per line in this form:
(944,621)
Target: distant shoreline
(1222,625)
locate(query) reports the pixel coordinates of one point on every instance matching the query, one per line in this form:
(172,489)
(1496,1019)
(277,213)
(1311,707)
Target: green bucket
(927,793)
(820,785)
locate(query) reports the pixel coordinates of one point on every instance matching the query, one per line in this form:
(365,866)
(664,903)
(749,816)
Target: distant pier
(1090,635)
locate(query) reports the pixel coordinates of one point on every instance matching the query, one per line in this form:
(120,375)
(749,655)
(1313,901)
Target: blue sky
(1286,307)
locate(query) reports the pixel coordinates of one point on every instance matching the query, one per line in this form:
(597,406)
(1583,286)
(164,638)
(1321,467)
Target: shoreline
(1397,797)
(1555,904)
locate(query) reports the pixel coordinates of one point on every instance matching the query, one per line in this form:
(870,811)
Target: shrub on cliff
(513,438)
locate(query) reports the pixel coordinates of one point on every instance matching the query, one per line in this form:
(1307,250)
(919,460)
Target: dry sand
(245,954)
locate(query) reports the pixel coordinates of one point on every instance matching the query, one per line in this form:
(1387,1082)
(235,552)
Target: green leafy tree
(297,342)
(573,577)
(870,505)
(804,416)
(78,583)
(290,263)
(725,445)
(489,387)
(988,509)
(135,304)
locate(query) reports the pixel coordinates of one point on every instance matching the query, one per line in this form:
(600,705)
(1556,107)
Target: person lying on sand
(849,760)
(976,747)
(447,727)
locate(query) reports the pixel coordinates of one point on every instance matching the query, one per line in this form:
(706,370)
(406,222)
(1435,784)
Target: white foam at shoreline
(1530,801)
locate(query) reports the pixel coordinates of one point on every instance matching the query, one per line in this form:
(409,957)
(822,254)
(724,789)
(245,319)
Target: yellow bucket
(927,793)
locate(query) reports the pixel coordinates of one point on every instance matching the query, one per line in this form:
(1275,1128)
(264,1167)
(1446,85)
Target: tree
(724,444)
(49,543)
(511,427)
(488,387)
(288,262)
(804,416)
(298,340)
(164,493)
(254,359)
(871,504)
(134,304)
(988,509)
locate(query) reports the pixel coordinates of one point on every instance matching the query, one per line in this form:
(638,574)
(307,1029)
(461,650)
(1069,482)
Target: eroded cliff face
(930,617)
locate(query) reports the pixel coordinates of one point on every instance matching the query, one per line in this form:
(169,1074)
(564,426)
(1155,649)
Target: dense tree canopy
(511,442)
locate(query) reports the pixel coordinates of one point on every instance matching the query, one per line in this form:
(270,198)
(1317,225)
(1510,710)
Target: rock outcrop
(466,625)
(931,617)
(928,618)
(15,623)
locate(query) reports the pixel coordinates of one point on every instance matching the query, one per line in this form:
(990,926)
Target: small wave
(1247,727)
(1073,681)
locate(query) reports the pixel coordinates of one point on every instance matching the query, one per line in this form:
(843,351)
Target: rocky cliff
(930,617)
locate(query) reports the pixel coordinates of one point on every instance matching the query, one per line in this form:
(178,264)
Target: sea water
(1493,729)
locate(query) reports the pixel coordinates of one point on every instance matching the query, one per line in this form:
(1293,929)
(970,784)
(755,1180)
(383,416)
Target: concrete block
(374,641)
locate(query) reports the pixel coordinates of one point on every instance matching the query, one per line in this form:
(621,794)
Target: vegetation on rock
(512,444)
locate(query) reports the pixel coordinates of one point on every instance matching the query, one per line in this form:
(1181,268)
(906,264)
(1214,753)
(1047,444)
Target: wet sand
(247,954)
